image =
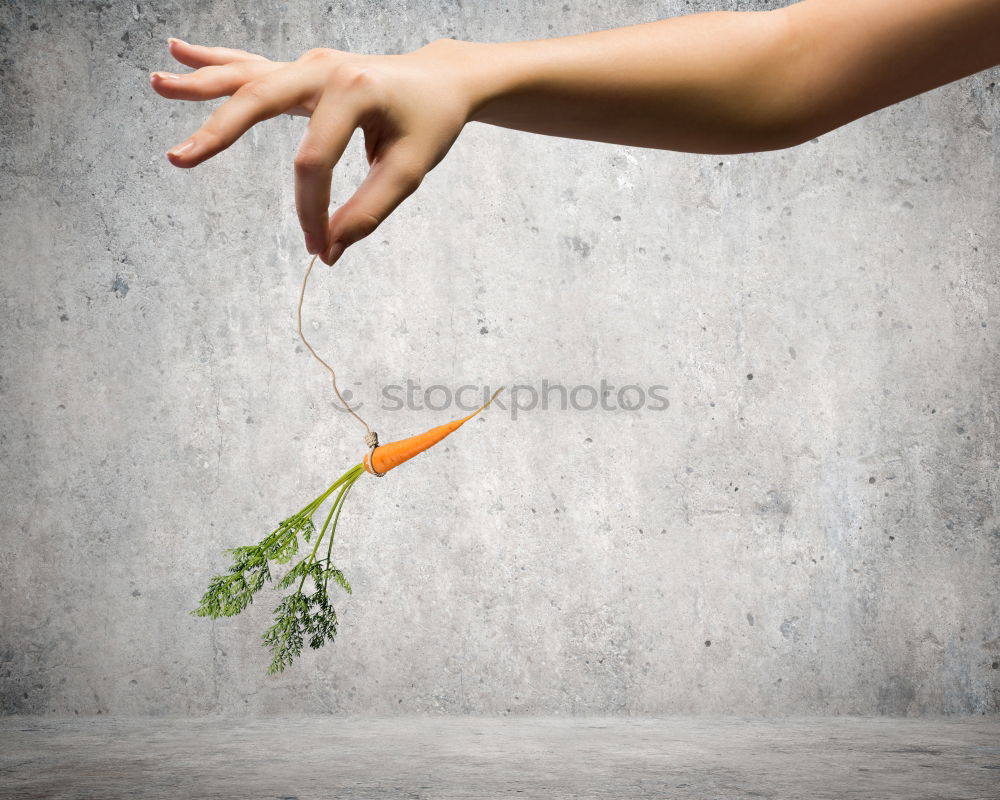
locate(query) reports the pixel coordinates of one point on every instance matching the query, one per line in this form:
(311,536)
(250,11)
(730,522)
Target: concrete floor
(452,757)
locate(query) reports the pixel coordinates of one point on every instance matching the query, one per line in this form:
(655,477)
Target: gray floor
(450,757)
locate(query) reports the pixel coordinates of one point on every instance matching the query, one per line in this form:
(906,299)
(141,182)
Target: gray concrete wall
(823,537)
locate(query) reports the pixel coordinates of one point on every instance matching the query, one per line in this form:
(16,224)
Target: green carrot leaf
(298,617)
(332,572)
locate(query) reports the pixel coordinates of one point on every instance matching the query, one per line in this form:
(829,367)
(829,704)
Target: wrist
(483,74)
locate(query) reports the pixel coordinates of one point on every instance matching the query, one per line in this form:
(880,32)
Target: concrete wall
(822,537)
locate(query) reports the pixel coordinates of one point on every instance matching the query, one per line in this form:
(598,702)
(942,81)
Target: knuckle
(360,225)
(317,54)
(308,161)
(409,178)
(211,139)
(353,76)
(257,91)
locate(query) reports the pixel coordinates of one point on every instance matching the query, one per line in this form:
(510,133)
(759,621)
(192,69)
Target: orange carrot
(386,456)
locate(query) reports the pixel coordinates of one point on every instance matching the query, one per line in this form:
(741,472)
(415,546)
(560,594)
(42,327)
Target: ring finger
(209,83)
(253,102)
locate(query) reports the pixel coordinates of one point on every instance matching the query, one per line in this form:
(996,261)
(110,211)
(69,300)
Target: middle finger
(253,102)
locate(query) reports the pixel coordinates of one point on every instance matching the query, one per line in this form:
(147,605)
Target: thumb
(389,182)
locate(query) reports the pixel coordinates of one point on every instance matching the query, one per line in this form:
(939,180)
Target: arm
(719,82)
(729,82)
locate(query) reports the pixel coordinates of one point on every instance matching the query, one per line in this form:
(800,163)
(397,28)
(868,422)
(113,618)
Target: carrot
(381,458)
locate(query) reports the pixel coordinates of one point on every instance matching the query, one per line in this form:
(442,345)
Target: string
(333,375)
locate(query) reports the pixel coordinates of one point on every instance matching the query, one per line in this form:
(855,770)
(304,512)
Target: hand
(411,108)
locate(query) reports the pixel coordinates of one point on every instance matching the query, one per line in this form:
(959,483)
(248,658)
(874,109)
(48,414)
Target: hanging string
(333,375)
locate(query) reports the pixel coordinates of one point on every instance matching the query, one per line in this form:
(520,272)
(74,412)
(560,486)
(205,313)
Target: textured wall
(821,537)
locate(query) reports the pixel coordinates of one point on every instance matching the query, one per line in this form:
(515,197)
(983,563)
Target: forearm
(726,82)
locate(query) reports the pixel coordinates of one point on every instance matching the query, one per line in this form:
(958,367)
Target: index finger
(329,130)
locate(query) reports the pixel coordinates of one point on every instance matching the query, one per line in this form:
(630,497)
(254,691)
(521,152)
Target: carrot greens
(305,614)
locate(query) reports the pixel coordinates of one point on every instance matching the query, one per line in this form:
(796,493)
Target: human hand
(410,107)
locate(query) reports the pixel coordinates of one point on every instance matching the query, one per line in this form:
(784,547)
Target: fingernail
(336,251)
(181,149)
(173,39)
(165,76)
(314,243)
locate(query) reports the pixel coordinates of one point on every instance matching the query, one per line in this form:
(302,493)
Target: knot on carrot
(368,462)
